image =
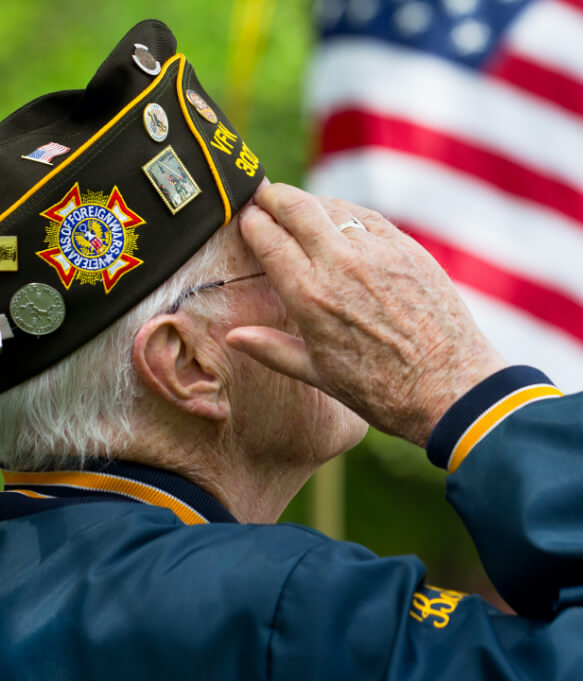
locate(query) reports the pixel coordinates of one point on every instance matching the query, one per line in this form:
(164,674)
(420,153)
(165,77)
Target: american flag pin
(46,153)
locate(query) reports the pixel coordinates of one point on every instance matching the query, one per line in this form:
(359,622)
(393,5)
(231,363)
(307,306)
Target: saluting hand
(383,328)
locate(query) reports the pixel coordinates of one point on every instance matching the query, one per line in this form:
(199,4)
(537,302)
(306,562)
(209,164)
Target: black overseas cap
(105,193)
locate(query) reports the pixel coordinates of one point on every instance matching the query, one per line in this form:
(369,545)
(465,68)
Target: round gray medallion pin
(38,309)
(156,122)
(146,60)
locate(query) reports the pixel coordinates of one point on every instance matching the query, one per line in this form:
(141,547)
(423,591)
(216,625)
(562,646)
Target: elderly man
(146,455)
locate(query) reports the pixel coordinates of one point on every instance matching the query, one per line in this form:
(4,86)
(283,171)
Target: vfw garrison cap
(105,193)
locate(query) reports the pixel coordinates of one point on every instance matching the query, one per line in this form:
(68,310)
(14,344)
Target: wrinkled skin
(384,329)
(249,436)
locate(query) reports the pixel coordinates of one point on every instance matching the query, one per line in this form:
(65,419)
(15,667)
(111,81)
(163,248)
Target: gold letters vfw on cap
(8,254)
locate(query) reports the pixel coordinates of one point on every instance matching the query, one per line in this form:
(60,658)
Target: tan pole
(328,492)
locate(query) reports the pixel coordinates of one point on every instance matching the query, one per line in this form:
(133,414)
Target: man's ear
(164,356)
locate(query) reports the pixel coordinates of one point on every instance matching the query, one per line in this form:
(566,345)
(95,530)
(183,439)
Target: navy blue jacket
(127,572)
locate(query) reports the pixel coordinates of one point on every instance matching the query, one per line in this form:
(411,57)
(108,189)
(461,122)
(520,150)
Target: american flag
(47,152)
(462,121)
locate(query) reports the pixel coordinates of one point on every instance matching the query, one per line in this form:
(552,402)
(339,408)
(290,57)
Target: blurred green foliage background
(252,55)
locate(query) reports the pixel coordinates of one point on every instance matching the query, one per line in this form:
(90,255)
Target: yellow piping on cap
(201,142)
(75,155)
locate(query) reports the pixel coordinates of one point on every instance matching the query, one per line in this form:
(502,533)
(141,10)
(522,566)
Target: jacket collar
(27,493)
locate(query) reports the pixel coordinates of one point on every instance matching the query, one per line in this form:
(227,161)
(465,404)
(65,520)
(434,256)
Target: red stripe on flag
(559,88)
(550,306)
(355,128)
(577,4)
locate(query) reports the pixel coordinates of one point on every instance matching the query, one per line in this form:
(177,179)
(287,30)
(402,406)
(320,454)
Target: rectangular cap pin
(8,254)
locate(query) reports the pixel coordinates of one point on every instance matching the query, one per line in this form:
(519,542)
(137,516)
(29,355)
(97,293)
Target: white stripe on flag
(448,98)
(535,36)
(520,235)
(523,339)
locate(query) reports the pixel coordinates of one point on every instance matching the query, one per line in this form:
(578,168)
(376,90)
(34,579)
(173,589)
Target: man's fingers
(276,349)
(302,215)
(337,213)
(278,252)
(374,222)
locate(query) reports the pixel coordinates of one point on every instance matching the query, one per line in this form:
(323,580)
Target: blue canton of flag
(465,31)
(462,121)
(47,152)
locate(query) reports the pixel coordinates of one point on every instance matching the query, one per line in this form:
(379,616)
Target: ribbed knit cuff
(480,410)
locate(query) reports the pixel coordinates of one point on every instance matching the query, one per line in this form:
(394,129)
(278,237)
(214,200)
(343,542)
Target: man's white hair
(82,407)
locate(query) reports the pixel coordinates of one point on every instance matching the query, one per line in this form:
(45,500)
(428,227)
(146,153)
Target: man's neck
(256,492)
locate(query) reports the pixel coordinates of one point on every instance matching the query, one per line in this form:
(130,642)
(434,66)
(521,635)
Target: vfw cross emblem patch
(91,237)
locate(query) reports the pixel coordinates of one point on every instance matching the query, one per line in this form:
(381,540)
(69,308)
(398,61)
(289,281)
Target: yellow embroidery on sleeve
(437,610)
